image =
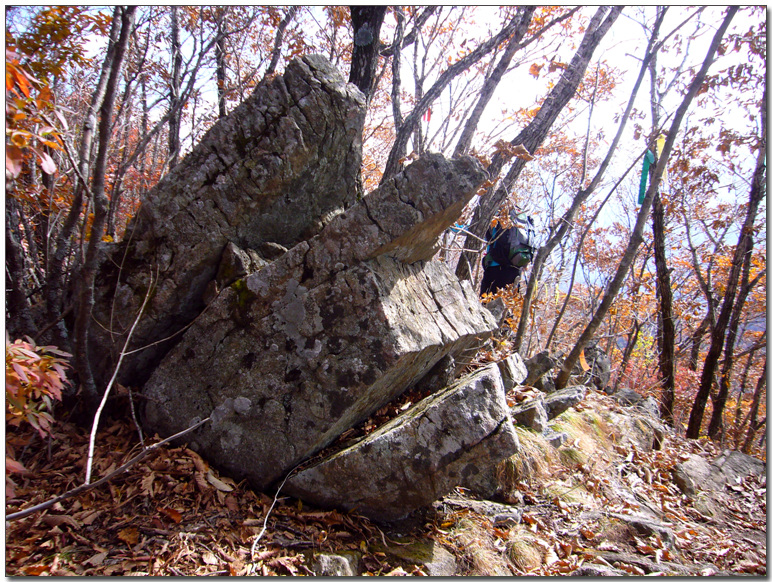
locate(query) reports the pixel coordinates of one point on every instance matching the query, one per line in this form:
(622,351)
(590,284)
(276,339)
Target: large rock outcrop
(290,357)
(288,308)
(275,170)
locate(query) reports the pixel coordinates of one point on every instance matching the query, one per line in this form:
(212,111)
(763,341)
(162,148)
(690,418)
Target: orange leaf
(20,138)
(583,361)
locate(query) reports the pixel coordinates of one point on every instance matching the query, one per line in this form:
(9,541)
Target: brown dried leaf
(130,535)
(199,463)
(587,534)
(147,484)
(56,520)
(172,514)
(97,559)
(217,483)
(201,482)
(232,503)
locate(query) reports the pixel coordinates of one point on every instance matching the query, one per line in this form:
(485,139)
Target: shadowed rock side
(275,170)
(441,442)
(287,359)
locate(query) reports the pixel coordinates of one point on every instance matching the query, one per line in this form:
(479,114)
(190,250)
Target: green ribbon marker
(648,160)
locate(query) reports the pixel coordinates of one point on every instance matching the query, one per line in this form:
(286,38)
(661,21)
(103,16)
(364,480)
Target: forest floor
(172,514)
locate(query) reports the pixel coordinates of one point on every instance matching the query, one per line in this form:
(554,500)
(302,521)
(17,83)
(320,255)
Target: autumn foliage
(34,377)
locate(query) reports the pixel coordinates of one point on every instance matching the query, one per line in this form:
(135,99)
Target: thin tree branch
(94,427)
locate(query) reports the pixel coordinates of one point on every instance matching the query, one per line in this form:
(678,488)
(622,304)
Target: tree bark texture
(56,273)
(366,22)
(219,57)
(279,40)
(666,335)
(396,77)
(174,90)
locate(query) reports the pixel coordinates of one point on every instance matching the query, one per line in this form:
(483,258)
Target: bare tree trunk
(738,411)
(366,22)
(85,294)
(18,319)
(279,40)
(566,222)
(637,236)
(666,327)
(219,57)
(716,421)
(699,333)
(632,340)
(719,402)
(754,424)
(717,336)
(579,244)
(56,274)
(396,78)
(531,138)
(524,15)
(175,120)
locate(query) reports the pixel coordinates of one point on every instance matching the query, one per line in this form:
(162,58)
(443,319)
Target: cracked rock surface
(274,171)
(327,334)
(443,441)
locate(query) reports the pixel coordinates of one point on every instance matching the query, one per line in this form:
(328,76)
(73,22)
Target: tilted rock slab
(513,371)
(287,359)
(275,170)
(441,442)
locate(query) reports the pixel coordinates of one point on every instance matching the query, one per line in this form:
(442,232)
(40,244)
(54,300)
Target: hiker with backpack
(509,251)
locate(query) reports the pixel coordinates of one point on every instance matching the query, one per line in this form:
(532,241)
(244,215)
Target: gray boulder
(531,414)
(555,438)
(325,335)
(561,400)
(513,371)
(599,371)
(546,384)
(697,474)
(537,366)
(426,553)
(443,441)
(275,170)
(627,397)
(334,564)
